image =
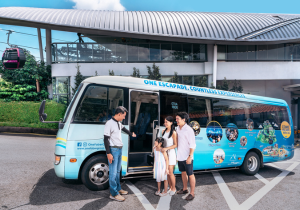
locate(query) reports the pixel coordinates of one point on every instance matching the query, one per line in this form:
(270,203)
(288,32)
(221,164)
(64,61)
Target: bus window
(227,111)
(170,104)
(72,102)
(275,115)
(98,104)
(200,110)
(115,99)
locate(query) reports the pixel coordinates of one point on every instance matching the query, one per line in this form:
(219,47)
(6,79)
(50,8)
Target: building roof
(188,26)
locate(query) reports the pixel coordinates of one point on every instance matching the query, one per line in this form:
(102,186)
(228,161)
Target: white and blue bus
(232,129)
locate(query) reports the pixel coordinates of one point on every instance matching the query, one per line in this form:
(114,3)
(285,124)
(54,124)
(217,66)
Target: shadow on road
(50,189)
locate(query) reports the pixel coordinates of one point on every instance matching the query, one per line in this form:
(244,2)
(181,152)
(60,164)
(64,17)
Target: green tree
(111,73)
(223,85)
(78,79)
(202,82)
(136,73)
(175,78)
(26,84)
(154,74)
(237,86)
(212,86)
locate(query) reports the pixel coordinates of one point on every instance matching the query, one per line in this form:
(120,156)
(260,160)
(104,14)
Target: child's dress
(159,167)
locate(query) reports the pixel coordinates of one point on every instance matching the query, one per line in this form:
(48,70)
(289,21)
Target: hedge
(25,114)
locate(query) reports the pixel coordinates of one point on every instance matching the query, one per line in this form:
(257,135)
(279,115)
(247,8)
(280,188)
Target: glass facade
(277,52)
(142,52)
(194,80)
(61,89)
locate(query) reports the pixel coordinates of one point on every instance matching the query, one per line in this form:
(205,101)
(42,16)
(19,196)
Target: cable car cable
(31,34)
(23,46)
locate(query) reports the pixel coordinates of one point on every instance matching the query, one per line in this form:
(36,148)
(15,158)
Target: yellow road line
(30,134)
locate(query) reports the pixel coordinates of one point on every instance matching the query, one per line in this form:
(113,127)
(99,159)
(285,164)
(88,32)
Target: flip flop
(163,194)
(157,193)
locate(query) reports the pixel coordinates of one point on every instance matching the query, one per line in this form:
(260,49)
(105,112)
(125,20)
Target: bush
(26,84)
(25,114)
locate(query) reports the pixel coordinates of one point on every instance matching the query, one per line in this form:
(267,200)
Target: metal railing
(94,52)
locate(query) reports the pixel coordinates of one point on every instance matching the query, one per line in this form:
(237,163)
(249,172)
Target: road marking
(163,203)
(147,205)
(274,166)
(230,199)
(258,176)
(252,200)
(263,191)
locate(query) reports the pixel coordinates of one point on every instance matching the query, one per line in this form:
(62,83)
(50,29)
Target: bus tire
(251,164)
(95,172)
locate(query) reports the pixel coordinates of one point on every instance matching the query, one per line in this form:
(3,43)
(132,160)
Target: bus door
(96,106)
(143,121)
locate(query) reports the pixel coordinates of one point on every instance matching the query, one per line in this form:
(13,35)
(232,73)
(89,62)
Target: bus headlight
(57,160)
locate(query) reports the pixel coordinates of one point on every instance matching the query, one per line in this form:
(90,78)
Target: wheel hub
(252,163)
(98,174)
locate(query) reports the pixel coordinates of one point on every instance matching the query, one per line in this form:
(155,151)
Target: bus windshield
(72,102)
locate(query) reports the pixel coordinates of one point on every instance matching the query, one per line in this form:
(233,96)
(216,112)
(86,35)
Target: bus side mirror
(42,115)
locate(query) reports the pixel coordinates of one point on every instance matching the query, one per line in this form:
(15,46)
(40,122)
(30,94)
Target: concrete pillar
(298,117)
(48,47)
(49,56)
(215,60)
(40,44)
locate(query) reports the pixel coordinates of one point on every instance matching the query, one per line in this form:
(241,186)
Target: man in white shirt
(185,154)
(113,145)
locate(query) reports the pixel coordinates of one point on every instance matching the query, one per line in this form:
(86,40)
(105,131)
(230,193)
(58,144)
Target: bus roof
(153,85)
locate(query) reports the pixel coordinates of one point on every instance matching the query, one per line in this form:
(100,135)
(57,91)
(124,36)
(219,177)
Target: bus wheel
(95,172)
(251,164)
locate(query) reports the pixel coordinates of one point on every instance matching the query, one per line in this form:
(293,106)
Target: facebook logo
(79,144)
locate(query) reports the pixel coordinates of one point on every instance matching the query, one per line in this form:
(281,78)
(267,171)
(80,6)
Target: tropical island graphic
(267,134)
(274,151)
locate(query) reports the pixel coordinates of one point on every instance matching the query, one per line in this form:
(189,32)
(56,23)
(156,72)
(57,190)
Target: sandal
(182,191)
(172,192)
(189,197)
(163,194)
(157,193)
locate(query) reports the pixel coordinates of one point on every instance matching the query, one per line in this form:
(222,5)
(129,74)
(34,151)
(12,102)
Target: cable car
(13,58)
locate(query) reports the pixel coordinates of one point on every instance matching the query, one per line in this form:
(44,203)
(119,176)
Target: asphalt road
(28,181)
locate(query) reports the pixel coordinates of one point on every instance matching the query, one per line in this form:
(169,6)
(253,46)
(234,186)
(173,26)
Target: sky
(253,6)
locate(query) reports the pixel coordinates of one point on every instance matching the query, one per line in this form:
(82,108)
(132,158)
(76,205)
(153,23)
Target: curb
(28,130)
